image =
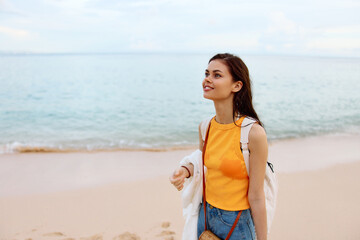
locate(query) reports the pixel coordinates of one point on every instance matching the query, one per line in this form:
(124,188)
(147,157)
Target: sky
(278,27)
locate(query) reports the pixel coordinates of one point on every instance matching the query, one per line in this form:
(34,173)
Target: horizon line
(30,53)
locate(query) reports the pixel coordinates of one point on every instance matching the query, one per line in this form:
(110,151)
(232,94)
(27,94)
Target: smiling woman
(233,199)
(228,72)
(221,81)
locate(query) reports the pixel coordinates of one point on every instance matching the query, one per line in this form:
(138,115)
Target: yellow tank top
(227,181)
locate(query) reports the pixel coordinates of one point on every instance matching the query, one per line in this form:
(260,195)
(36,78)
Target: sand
(127,195)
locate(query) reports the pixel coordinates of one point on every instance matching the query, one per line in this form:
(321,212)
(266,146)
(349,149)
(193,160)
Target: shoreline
(50,172)
(38,149)
(26,149)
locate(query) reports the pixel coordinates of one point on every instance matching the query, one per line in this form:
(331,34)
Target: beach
(127,194)
(101,100)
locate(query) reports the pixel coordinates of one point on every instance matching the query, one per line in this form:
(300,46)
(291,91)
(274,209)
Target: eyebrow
(213,71)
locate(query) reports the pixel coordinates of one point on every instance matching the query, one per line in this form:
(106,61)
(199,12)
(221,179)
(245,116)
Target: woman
(229,189)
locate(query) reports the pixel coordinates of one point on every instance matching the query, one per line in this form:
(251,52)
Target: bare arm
(179,175)
(258,148)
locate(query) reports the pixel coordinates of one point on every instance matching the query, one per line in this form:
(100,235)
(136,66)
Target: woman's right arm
(179,175)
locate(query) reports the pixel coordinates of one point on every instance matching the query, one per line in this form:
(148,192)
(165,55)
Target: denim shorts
(221,221)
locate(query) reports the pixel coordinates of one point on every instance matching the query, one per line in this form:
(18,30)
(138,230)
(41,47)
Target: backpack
(270,181)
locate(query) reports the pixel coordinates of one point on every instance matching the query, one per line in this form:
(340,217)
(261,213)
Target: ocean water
(94,102)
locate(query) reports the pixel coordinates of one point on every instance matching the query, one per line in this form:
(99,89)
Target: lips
(207,88)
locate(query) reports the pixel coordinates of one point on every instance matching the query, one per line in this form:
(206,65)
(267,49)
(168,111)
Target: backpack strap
(246,125)
(204,126)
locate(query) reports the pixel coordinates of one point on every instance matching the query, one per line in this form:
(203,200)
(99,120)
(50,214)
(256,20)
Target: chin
(206,96)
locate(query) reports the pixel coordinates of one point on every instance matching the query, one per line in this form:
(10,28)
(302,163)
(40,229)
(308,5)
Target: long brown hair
(242,102)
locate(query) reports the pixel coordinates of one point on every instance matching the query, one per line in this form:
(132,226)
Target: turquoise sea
(62,102)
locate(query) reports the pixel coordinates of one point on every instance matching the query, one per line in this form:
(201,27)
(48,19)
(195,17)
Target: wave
(17,147)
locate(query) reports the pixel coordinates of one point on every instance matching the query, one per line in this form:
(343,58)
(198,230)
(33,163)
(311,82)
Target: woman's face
(218,83)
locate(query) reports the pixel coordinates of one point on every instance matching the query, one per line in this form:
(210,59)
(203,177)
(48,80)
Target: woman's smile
(207,88)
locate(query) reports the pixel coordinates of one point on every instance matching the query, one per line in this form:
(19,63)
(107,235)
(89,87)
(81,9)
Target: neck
(224,111)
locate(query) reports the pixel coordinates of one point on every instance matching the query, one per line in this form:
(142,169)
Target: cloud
(335,39)
(256,27)
(143,45)
(355,29)
(8,8)
(18,33)
(279,23)
(230,41)
(283,35)
(148,3)
(69,4)
(334,44)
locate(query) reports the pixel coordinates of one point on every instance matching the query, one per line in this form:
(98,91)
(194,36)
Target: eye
(206,74)
(217,75)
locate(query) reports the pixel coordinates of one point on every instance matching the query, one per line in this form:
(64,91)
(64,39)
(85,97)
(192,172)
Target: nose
(207,79)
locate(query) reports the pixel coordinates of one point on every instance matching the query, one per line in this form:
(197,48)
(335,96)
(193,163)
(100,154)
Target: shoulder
(257,134)
(258,145)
